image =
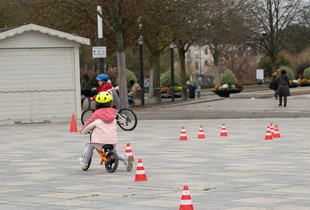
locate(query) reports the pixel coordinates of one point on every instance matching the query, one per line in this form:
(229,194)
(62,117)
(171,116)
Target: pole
(141,68)
(172,71)
(199,78)
(100,37)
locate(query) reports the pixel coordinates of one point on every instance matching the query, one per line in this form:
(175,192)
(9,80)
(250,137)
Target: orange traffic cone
(128,152)
(140,174)
(186,202)
(73,124)
(183,134)
(276,133)
(223,132)
(268,134)
(271,128)
(201,134)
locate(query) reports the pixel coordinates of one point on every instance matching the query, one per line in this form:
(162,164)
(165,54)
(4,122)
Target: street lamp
(141,68)
(172,71)
(100,36)
(199,77)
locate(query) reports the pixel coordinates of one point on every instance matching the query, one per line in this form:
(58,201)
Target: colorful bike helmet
(103,98)
(102,77)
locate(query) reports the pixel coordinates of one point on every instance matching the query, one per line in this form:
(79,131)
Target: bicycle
(125,118)
(108,156)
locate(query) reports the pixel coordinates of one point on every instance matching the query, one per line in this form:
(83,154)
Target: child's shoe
(128,163)
(83,165)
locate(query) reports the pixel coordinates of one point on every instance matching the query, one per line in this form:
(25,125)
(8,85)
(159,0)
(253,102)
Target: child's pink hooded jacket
(103,126)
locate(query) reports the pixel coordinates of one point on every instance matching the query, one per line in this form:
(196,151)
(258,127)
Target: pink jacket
(103,126)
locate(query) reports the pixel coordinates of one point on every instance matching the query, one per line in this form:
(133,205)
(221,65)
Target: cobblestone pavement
(39,167)
(212,107)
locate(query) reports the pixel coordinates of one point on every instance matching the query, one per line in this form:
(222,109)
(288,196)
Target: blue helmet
(102,77)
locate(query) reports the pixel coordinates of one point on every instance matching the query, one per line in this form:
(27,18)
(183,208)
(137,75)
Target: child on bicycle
(105,85)
(103,126)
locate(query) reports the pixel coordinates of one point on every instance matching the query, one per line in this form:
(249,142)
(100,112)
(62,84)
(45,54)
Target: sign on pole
(100,52)
(260,76)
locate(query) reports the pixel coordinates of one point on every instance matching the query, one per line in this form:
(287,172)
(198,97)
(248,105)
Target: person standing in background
(86,89)
(147,85)
(283,87)
(274,76)
(134,86)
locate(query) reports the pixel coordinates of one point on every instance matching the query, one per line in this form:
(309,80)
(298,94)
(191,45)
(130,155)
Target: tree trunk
(182,65)
(121,66)
(216,67)
(273,64)
(156,78)
(216,75)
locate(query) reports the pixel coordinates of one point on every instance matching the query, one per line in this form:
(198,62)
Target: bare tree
(155,19)
(118,16)
(114,20)
(239,59)
(306,14)
(272,20)
(227,27)
(190,25)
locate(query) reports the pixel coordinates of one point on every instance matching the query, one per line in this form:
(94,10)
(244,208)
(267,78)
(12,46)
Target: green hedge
(289,72)
(165,79)
(129,76)
(228,77)
(306,73)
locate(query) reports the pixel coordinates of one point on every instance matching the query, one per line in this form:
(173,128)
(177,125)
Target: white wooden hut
(39,75)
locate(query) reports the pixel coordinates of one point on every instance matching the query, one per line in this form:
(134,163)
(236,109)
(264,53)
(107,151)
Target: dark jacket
(283,85)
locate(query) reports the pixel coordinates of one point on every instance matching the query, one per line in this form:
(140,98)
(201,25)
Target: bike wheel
(86,115)
(126,119)
(112,163)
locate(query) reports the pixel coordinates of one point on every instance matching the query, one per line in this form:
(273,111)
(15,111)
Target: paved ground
(242,171)
(258,103)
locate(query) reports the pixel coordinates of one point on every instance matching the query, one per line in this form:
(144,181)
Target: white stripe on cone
(185,192)
(140,172)
(186,202)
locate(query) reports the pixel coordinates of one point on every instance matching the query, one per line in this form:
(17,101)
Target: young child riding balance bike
(105,85)
(102,126)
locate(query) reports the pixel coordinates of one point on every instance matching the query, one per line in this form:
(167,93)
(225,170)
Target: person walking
(274,76)
(283,87)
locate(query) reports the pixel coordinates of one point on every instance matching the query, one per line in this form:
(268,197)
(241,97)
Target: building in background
(39,75)
(241,59)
